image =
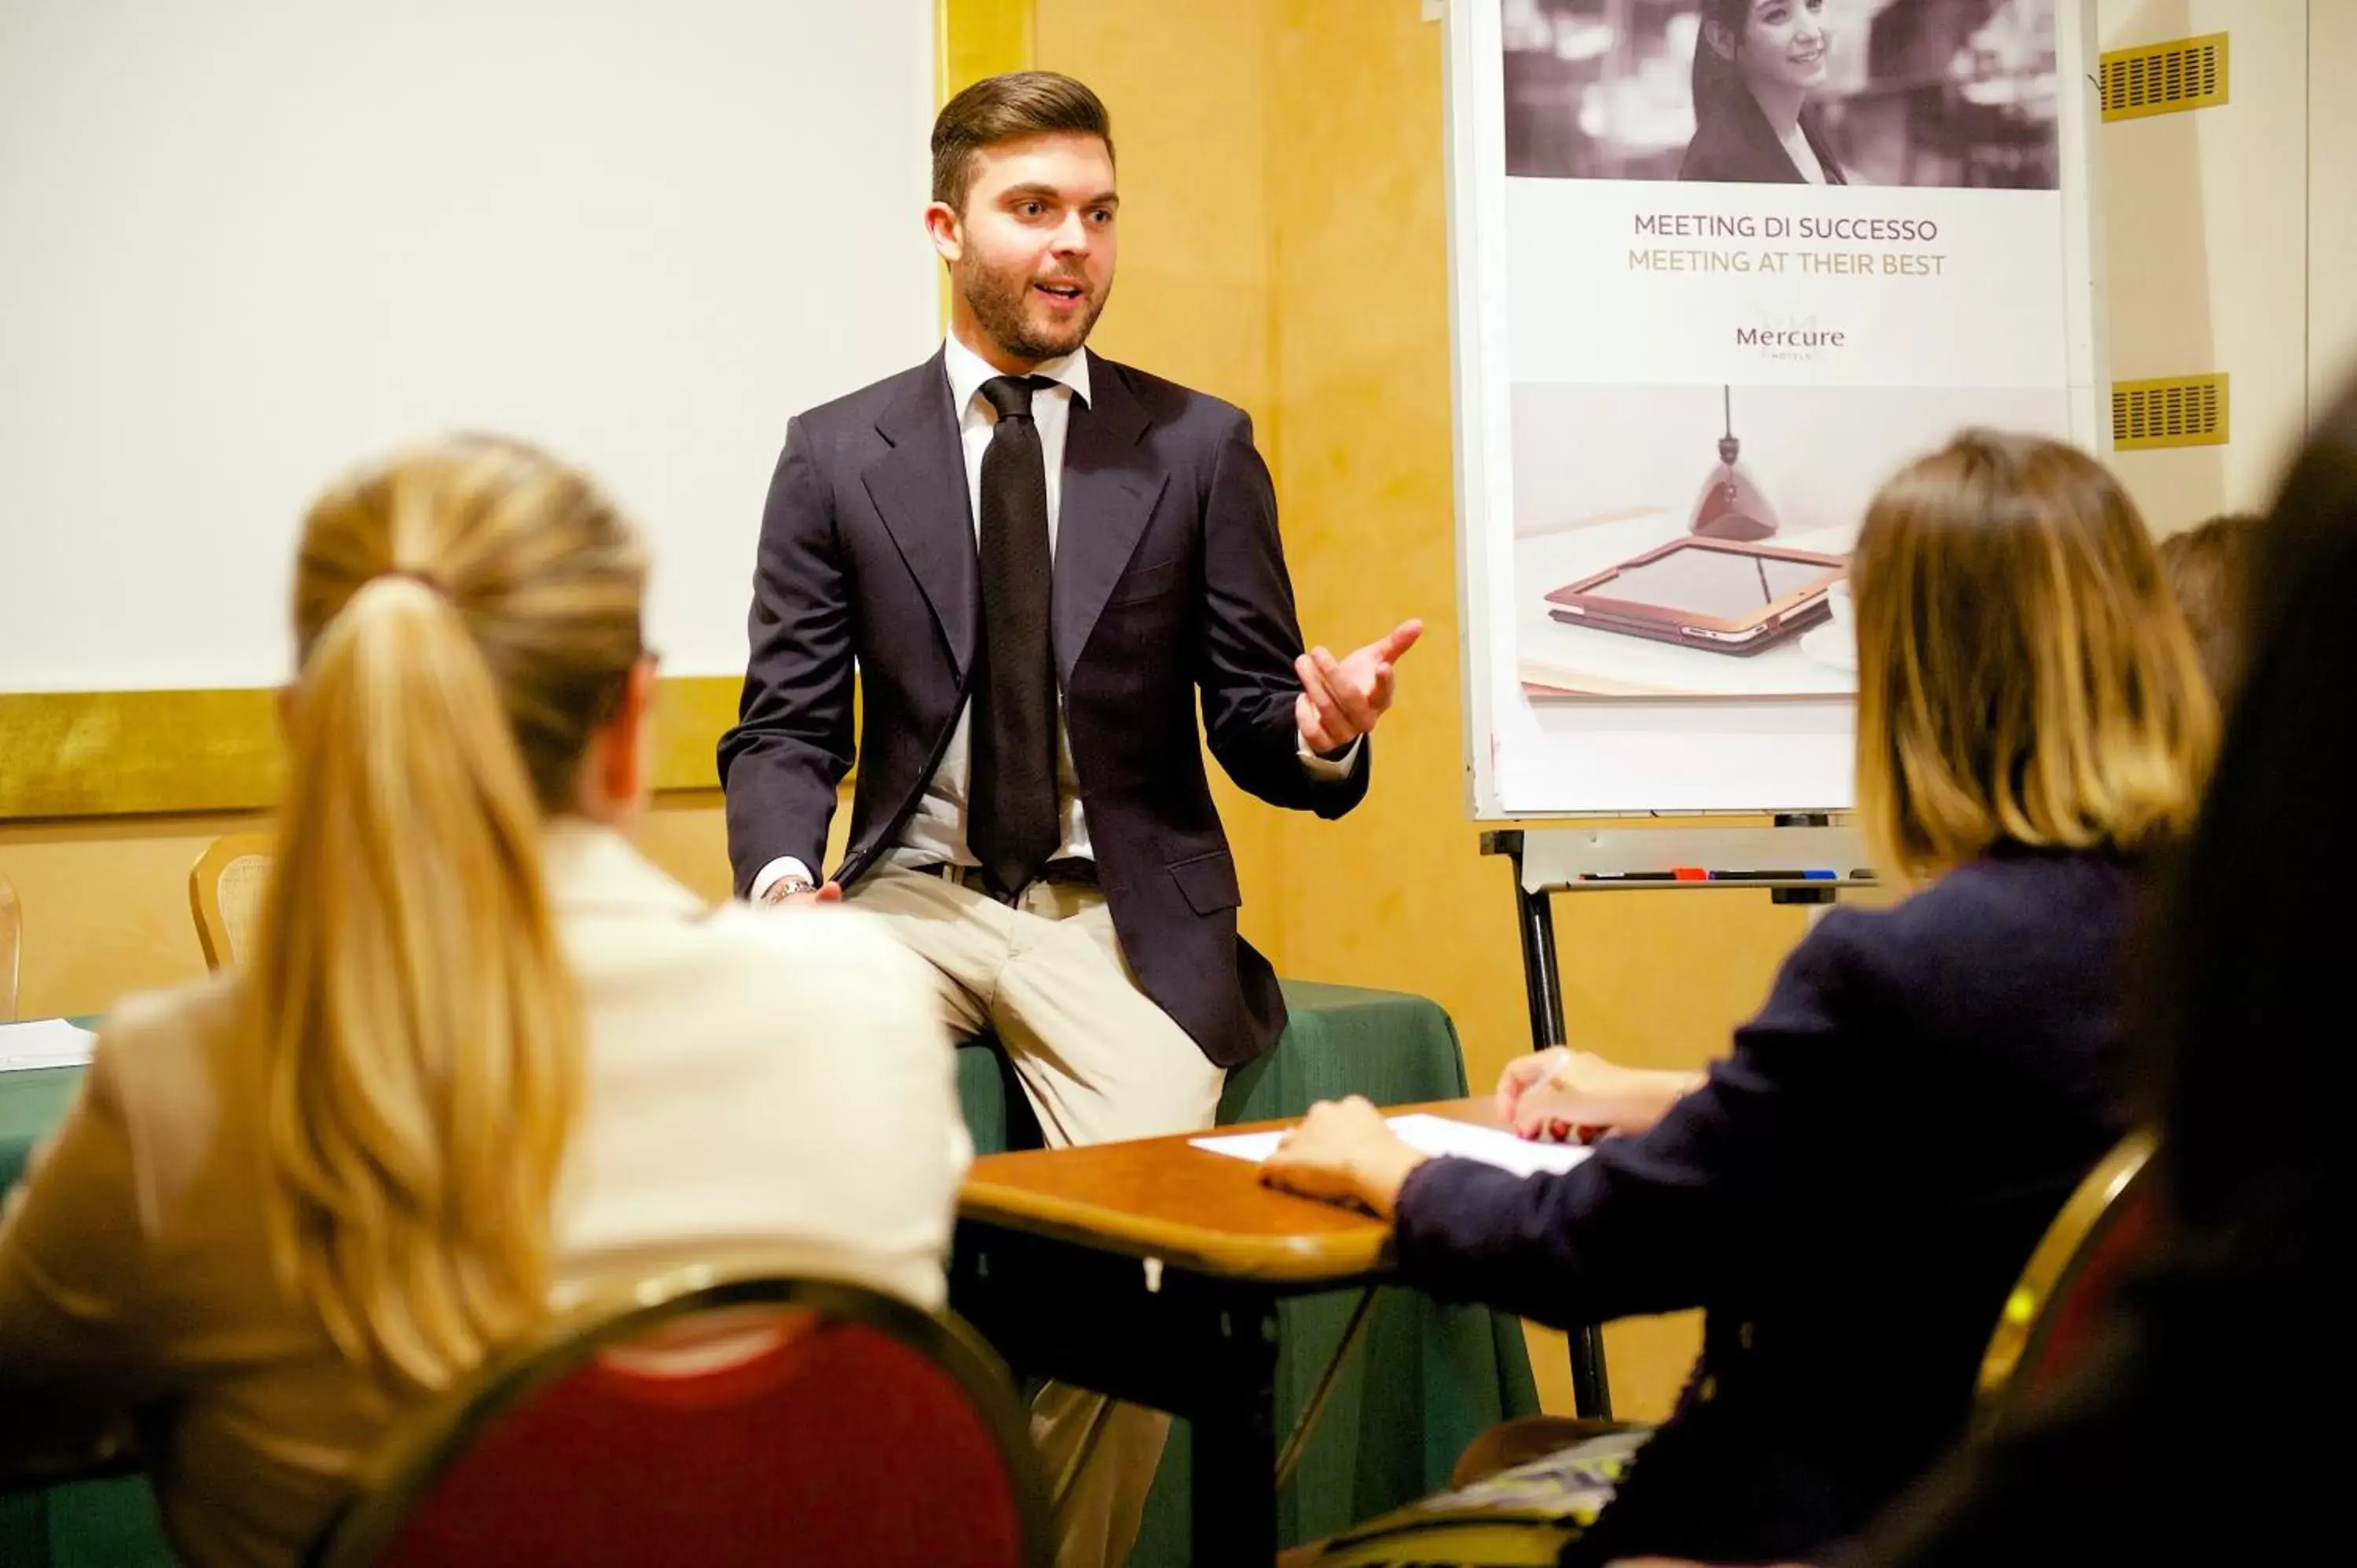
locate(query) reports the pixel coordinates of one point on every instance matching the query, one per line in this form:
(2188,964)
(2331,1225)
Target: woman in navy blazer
(2244,1045)
(1851,1192)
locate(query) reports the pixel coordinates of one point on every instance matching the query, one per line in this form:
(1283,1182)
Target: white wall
(244,241)
(2206,217)
(2331,212)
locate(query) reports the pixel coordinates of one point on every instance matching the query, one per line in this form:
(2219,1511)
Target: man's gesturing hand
(1341,698)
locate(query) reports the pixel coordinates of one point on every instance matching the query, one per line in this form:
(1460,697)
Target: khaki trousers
(1099,1062)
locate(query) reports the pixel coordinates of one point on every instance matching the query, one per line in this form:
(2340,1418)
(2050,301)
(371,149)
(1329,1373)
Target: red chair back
(760,1420)
(2056,1311)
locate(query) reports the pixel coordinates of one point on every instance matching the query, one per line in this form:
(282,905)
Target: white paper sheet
(45,1042)
(1430,1135)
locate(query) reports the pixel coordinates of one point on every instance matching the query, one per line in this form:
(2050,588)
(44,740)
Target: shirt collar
(968,370)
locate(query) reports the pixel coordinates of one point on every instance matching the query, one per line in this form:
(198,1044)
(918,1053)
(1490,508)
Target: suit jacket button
(1709,1390)
(1743,1336)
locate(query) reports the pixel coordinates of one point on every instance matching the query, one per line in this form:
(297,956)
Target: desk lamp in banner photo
(1732,505)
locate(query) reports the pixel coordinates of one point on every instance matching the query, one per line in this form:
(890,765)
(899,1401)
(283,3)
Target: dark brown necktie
(1012,827)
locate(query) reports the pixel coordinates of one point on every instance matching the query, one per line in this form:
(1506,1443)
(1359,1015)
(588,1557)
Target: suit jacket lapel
(918,487)
(1109,487)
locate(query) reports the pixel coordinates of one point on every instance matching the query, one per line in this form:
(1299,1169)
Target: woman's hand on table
(1561,1094)
(1343,1151)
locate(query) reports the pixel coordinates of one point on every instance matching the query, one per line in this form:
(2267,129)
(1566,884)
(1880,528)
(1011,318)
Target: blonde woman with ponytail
(484,1050)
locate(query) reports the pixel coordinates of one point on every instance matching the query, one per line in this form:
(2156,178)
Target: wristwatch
(790,886)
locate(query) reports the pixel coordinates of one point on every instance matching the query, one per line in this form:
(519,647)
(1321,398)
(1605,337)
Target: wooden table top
(1160,1198)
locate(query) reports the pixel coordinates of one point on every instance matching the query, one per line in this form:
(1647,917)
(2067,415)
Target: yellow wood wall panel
(120,754)
(974,39)
(106,899)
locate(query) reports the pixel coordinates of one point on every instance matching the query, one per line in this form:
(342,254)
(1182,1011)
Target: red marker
(1690,874)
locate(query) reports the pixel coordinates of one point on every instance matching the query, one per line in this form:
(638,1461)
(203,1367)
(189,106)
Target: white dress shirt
(935,832)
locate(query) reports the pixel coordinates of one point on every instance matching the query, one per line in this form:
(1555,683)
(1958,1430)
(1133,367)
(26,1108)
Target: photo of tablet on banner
(1714,595)
(1632,580)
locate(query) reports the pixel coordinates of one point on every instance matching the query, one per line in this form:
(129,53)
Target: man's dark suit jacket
(1850,1197)
(1170,581)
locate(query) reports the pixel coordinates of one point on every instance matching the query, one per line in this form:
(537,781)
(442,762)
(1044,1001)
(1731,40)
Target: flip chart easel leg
(1591,1390)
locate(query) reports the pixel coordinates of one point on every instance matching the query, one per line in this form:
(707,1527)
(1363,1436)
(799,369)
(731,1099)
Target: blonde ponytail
(417,1032)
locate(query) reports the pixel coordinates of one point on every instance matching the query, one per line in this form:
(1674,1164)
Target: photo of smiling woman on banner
(1956,93)
(1755,64)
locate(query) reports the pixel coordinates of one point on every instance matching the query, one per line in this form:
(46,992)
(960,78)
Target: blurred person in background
(2208,568)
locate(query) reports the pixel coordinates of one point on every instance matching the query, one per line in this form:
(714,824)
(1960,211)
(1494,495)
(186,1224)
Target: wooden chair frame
(204,892)
(12,948)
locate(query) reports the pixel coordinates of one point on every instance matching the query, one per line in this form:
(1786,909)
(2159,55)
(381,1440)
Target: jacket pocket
(1209,882)
(1150,582)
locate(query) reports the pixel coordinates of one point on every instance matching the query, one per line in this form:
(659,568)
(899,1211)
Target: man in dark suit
(1037,559)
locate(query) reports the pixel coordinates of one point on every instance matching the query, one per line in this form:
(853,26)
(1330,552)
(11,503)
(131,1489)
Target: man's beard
(1000,301)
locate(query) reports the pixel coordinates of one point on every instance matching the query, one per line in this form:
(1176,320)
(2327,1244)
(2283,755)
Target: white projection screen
(245,243)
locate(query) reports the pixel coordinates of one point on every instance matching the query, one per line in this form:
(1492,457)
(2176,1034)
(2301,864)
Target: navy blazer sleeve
(1245,661)
(1646,1224)
(783,763)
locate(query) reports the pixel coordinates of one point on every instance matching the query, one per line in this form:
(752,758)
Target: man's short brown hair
(1001,108)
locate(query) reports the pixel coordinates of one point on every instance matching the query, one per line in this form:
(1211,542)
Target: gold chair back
(2055,1309)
